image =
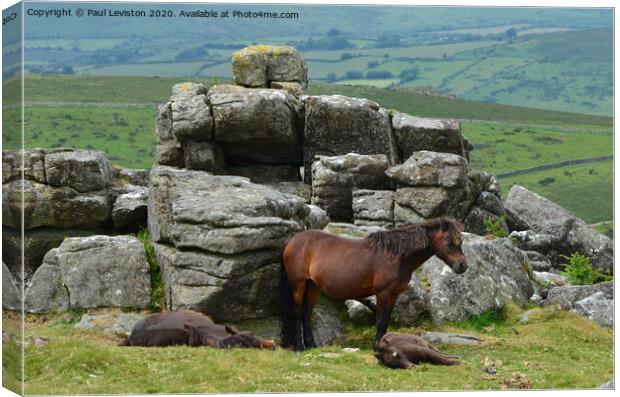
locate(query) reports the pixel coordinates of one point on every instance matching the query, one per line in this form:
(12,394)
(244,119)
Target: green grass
(502,148)
(578,354)
(158,298)
(11,352)
(586,190)
(126,135)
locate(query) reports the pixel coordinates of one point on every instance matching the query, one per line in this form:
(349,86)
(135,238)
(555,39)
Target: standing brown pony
(343,268)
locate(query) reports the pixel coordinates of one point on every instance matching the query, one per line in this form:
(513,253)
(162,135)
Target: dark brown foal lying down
(398,350)
(187,327)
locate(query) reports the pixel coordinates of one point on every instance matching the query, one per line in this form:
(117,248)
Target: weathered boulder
(490,202)
(335,178)
(184,128)
(351,231)
(220,214)
(259,65)
(549,278)
(297,188)
(431,184)
(37,242)
(295,89)
(205,156)
(191,116)
(46,292)
(131,176)
(529,211)
(317,218)
(227,287)
(95,271)
(130,208)
(110,322)
(373,207)
(431,202)
(431,169)
(11,293)
(81,170)
(597,307)
(359,313)
(219,241)
(34,165)
(566,296)
(414,134)
(337,125)
(446,338)
(485,182)
(47,206)
(327,326)
(496,273)
(256,125)
(266,174)
(413,304)
(474,222)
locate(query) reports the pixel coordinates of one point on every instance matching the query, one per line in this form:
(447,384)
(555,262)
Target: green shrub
(494,226)
(158,300)
(579,270)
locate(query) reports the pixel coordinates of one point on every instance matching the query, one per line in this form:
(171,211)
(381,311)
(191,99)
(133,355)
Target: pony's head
(446,243)
(393,357)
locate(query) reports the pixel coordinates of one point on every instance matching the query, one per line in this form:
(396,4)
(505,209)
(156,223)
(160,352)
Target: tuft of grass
(158,298)
(579,270)
(487,320)
(494,226)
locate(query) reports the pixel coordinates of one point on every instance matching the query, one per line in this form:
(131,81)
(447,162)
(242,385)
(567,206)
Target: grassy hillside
(578,354)
(117,115)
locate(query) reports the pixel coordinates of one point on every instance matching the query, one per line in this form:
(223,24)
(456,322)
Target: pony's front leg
(385,304)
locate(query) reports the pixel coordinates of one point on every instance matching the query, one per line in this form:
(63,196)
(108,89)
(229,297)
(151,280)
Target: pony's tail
(287,307)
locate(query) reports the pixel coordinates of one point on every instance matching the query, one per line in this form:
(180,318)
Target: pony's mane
(412,238)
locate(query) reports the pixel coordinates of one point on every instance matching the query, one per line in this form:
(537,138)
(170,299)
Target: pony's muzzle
(460,267)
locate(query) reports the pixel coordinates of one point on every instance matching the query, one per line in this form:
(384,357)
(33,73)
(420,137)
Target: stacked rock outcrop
(218,241)
(66,192)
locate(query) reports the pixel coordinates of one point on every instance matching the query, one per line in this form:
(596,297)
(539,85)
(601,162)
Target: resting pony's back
(343,268)
(187,327)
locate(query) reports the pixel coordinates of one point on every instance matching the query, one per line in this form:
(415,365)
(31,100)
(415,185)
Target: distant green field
(481,31)
(372,82)
(126,135)
(503,148)
(156,90)
(173,69)
(586,190)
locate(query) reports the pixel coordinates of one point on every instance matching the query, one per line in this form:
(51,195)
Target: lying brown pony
(187,327)
(398,350)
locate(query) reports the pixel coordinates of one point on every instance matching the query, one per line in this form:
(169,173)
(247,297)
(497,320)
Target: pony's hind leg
(310,297)
(298,296)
